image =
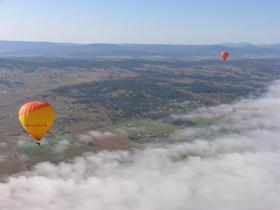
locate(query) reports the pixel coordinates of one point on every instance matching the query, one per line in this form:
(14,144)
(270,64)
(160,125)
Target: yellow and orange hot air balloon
(37,118)
(224,55)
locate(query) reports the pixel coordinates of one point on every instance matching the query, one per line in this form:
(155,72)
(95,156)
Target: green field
(201,121)
(142,127)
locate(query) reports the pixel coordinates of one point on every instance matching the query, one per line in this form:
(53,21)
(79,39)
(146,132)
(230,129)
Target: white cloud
(95,136)
(232,163)
(21,142)
(3,145)
(61,146)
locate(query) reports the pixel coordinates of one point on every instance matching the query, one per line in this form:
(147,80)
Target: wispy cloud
(92,136)
(230,163)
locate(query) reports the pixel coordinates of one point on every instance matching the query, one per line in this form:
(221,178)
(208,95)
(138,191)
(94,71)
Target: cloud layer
(230,161)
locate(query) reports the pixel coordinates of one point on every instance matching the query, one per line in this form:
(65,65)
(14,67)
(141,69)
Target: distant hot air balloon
(37,118)
(224,55)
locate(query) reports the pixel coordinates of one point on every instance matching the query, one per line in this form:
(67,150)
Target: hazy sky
(141,21)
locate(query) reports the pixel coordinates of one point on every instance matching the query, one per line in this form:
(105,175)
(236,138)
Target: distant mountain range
(156,51)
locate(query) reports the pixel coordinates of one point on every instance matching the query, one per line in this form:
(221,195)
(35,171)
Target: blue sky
(141,21)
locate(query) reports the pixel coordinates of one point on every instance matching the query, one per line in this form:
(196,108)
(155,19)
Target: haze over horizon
(145,22)
(124,43)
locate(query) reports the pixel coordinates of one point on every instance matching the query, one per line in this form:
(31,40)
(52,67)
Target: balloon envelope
(224,55)
(37,118)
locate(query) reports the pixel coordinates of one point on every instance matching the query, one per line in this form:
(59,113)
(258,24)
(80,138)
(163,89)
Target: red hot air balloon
(224,55)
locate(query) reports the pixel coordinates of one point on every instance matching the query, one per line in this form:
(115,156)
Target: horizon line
(139,43)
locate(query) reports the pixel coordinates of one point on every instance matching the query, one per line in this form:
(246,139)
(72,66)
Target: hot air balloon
(37,118)
(224,55)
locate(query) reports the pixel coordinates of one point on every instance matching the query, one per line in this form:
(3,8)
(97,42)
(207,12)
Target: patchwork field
(117,103)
